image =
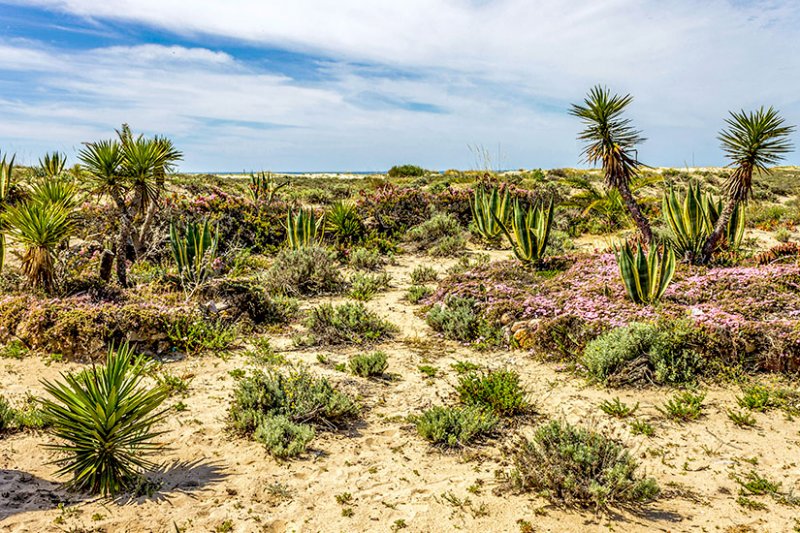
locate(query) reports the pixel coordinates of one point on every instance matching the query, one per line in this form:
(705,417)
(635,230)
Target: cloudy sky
(305,85)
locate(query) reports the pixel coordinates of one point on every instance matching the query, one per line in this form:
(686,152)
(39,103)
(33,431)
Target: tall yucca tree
(752,142)
(6,171)
(611,140)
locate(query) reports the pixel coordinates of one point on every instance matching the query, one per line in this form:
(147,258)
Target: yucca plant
(39,227)
(753,142)
(529,231)
(489,207)
(263,187)
(6,170)
(303,229)
(52,165)
(645,275)
(691,220)
(194,251)
(104,418)
(56,191)
(343,222)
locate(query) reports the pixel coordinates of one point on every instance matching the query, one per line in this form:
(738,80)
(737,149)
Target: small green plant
(344,498)
(642,427)
(758,398)
(194,251)
(617,408)
(423,274)
(684,406)
(455,426)
(303,229)
(263,187)
(751,504)
(364,286)
(575,465)
(498,390)
(195,335)
(14,350)
(441,235)
(459,319)
(428,370)
(489,207)
(263,354)
(741,418)
(529,231)
(104,417)
(347,323)
(417,293)
(462,367)
(364,259)
(308,271)
(645,276)
(406,171)
(282,437)
(344,224)
(369,364)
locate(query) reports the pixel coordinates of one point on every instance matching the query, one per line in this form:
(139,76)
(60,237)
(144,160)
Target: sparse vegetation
(455,426)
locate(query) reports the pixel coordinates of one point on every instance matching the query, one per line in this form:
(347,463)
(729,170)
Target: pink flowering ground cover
(754,308)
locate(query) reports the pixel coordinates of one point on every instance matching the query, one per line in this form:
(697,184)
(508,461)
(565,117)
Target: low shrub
(369,364)
(364,259)
(455,426)
(684,406)
(348,323)
(497,390)
(405,171)
(307,271)
(441,235)
(364,286)
(578,466)
(8,415)
(423,274)
(417,293)
(195,335)
(282,437)
(459,319)
(451,246)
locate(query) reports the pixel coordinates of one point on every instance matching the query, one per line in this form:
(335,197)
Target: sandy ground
(213,481)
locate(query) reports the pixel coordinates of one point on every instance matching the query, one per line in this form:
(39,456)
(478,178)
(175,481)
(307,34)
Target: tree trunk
(719,229)
(636,213)
(143,235)
(121,250)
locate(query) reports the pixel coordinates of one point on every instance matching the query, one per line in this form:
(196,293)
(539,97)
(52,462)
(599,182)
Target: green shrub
(103,417)
(455,426)
(295,394)
(578,466)
(497,390)
(406,171)
(348,323)
(617,408)
(369,364)
(262,353)
(684,406)
(8,415)
(307,271)
(14,350)
(441,235)
(364,259)
(761,398)
(423,274)
(642,352)
(417,293)
(282,437)
(343,223)
(364,286)
(459,319)
(195,335)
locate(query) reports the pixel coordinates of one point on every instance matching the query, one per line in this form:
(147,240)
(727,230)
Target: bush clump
(417,293)
(369,364)
(365,259)
(497,390)
(459,319)
(364,286)
(645,352)
(282,437)
(348,323)
(406,171)
(441,235)
(455,426)
(578,466)
(307,271)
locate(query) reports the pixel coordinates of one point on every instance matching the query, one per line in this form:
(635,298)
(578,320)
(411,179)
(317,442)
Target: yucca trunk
(719,230)
(636,213)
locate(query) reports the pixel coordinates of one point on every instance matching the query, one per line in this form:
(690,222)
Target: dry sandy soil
(213,481)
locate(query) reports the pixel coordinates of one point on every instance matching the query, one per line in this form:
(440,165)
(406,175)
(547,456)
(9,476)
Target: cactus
(194,252)
(303,229)
(529,231)
(6,169)
(487,209)
(692,220)
(645,276)
(263,187)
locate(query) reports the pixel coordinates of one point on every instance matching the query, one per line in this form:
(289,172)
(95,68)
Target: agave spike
(263,187)
(303,229)
(487,209)
(194,251)
(6,170)
(529,231)
(645,276)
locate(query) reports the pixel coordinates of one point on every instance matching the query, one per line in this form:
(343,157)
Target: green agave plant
(489,207)
(6,169)
(104,417)
(691,220)
(529,231)
(264,187)
(194,250)
(645,275)
(303,229)
(40,227)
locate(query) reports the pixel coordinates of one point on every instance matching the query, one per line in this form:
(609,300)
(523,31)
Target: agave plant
(40,227)
(52,165)
(490,212)
(104,417)
(344,223)
(646,276)
(691,220)
(6,170)
(611,140)
(303,229)
(752,141)
(194,252)
(263,187)
(529,231)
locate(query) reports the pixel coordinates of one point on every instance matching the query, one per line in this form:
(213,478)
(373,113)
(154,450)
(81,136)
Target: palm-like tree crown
(753,142)
(610,138)
(103,160)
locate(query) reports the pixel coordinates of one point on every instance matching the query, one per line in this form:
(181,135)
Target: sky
(361,85)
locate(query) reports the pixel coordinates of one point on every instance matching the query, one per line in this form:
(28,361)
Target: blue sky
(362,85)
